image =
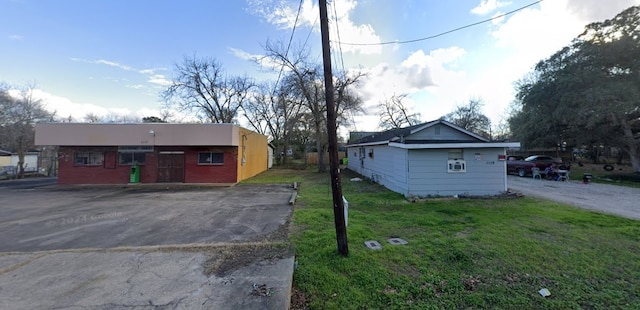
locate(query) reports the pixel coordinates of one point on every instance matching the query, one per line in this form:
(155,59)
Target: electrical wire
(446,32)
(310,31)
(335,16)
(286,53)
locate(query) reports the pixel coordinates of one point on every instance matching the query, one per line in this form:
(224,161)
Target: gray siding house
(436,158)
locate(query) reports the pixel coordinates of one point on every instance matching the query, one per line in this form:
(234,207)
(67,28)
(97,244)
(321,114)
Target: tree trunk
(634,147)
(20,174)
(321,165)
(634,157)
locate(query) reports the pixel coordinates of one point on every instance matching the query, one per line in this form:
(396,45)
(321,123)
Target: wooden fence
(312,157)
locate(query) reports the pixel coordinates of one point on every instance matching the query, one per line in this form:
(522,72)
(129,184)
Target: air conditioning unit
(456,166)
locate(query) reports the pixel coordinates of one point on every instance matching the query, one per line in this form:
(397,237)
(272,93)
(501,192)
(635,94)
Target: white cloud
(151,74)
(243,54)
(497,18)
(435,73)
(264,62)
(159,79)
(112,64)
(15,37)
(151,71)
(488,6)
(282,14)
(529,36)
(349,32)
(597,10)
(66,109)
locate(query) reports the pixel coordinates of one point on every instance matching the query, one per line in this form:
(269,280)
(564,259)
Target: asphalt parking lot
(606,198)
(145,247)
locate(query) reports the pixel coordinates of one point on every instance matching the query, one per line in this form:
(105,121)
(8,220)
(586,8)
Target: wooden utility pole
(334,166)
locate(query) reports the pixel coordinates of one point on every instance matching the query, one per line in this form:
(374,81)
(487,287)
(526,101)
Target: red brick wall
(225,173)
(111,172)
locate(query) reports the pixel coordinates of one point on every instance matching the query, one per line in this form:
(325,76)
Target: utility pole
(336,186)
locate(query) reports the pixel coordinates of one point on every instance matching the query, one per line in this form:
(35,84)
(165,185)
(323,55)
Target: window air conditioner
(456,166)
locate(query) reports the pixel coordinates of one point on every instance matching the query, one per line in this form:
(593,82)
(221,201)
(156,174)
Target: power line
(449,31)
(286,53)
(335,16)
(310,31)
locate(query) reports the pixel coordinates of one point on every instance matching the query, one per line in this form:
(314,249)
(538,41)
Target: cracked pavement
(142,248)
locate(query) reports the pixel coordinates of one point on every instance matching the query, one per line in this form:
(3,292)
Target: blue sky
(115,56)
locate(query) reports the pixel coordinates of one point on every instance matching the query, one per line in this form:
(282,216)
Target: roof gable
(444,131)
(438,131)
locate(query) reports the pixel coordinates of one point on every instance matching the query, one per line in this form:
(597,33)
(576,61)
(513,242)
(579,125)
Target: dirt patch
(281,234)
(471,283)
(299,300)
(225,259)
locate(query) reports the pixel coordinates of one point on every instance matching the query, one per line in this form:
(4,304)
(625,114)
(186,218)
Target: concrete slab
(397,241)
(145,248)
(39,220)
(373,245)
(140,280)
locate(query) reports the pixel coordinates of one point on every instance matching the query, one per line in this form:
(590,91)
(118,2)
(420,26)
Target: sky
(114,57)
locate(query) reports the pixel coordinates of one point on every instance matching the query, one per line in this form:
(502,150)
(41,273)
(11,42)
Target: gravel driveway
(618,200)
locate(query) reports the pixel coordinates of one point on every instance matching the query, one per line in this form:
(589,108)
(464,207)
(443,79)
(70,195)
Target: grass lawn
(621,175)
(462,254)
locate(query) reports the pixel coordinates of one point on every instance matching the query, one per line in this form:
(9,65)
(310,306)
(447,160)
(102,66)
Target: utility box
(346,211)
(134,174)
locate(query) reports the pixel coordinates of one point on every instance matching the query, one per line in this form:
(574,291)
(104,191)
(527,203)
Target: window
(210,158)
(456,154)
(132,158)
(361,150)
(136,148)
(133,155)
(456,162)
(370,153)
(88,158)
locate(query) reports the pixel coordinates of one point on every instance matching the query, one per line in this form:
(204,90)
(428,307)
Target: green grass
(622,175)
(462,254)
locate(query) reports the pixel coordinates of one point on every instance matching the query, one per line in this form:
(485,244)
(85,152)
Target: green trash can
(134,174)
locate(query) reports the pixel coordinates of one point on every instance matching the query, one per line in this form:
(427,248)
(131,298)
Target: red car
(523,167)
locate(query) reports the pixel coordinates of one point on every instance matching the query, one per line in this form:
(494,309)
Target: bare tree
(394,114)
(308,83)
(92,118)
(201,86)
(470,117)
(17,117)
(111,118)
(347,101)
(275,113)
(152,119)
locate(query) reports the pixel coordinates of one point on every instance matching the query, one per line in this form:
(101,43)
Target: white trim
(454,145)
(368,144)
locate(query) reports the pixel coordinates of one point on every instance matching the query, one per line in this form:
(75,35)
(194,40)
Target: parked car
(522,167)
